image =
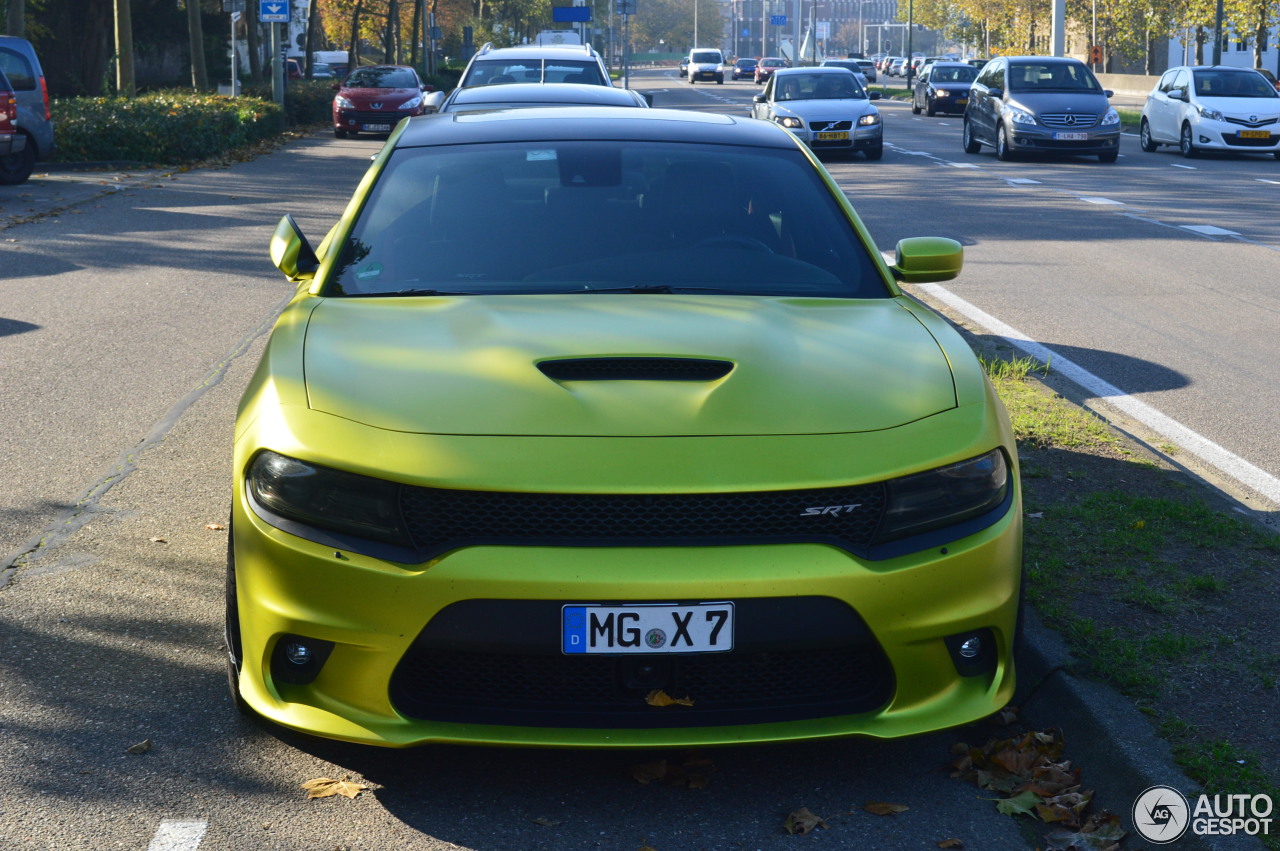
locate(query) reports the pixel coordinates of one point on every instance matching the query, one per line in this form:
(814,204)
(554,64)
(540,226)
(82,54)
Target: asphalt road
(129,324)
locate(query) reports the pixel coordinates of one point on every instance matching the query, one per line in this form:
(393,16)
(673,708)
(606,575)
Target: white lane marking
(962,165)
(1206,450)
(1264,180)
(1020,181)
(1209,230)
(940,123)
(174,835)
(1096,200)
(1179,165)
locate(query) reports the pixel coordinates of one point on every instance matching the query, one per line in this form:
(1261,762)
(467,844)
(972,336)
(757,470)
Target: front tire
(1144,138)
(231,636)
(928,108)
(915,110)
(16,168)
(1004,151)
(1186,143)
(875,153)
(971,145)
(1108,156)
(339,134)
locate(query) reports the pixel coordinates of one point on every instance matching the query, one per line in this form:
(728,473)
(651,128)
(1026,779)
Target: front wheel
(915,110)
(875,153)
(1108,156)
(1004,151)
(16,168)
(340,134)
(1186,143)
(929,110)
(1144,138)
(971,145)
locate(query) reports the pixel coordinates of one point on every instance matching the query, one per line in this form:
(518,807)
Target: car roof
(812,69)
(537,51)
(606,123)
(548,93)
(1044,60)
(950,64)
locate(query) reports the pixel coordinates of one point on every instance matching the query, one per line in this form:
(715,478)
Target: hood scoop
(635,369)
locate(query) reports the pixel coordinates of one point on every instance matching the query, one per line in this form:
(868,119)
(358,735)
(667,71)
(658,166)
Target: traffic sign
(273,11)
(626,7)
(1095,54)
(778,20)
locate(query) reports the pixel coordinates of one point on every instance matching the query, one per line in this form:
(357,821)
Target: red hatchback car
(373,99)
(766,67)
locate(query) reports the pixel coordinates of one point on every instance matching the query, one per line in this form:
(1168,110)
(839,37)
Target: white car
(826,108)
(1212,108)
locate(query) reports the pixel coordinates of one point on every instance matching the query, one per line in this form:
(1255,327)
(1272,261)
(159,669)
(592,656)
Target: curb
(1103,727)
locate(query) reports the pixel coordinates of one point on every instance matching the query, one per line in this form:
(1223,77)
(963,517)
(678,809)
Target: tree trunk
(254,47)
(124,49)
(353,52)
(417,33)
(195,34)
(1260,38)
(16,19)
(313,14)
(1200,45)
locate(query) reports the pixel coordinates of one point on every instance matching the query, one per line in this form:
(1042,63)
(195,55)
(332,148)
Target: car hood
(833,108)
(470,365)
(1083,104)
(1243,106)
(956,87)
(392,97)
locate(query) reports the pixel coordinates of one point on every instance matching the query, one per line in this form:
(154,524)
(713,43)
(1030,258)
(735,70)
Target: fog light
(300,654)
(973,653)
(970,647)
(1204,140)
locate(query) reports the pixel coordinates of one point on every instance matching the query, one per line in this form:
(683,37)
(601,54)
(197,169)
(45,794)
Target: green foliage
(305,102)
(165,127)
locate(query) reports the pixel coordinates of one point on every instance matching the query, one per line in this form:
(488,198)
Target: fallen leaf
(691,771)
(658,697)
(1006,716)
(802,821)
(1020,804)
(1034,515)
(141,747)
(1102,832)
(880,808)
(215,527)
(647,772)
(545,822)
(323,787)
(951,843)
(157,540)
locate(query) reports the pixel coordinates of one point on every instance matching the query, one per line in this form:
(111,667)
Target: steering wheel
(735,241)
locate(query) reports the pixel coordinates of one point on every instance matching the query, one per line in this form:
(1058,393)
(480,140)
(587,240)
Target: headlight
(790,121)
(1021,116)
(942,93)
(411,103)
(328,499)
(1207,112)
(1112,117)
(868,120)
(342,103)
(944,496)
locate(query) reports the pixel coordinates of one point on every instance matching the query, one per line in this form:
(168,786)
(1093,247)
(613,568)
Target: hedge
(174,127)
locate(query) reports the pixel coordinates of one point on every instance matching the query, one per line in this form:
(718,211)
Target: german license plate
(833,137)
(700,628)
(377,128)
(1071,137)
(961,101)
(1255,134)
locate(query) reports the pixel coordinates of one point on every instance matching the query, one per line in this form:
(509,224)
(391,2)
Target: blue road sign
(778,20)
(273,11)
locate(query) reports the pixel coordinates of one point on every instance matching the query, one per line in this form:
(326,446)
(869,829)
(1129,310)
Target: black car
(744,68)
(943,87)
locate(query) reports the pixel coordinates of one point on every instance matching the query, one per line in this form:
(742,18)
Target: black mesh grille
(1068,121)
(821,126)
(439,520)
(370,117)
(1236,141)
(635,369)
(500,662)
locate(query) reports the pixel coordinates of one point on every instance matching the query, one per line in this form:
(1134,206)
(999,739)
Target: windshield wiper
(408,291)
(645,289)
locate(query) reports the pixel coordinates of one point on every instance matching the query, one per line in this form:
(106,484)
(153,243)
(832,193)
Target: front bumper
(369,121)
(1027,138)
(858,138)
(714,76)
(1229,136)
(952,104)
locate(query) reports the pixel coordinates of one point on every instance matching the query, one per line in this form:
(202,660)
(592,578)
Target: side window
(1182,80)
(998,75)
(768,88)
(18,70)
(1166,82)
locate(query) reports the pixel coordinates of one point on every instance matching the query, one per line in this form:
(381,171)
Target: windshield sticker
(535,156)
(373,270)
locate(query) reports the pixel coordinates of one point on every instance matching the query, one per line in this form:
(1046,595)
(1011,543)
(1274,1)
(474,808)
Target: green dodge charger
(611,427)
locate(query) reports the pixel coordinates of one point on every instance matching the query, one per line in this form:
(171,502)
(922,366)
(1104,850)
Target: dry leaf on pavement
(880,808)
(141,747)
(951,843)
(802,821)
(324,787)
(658,697)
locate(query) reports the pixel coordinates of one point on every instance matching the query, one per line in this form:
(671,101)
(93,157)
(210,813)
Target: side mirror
(336,86)
(433,101)
(996,93)
(1177,94)
(759,99)
(927,260)
(1108,92)
(873,95)
(290,251)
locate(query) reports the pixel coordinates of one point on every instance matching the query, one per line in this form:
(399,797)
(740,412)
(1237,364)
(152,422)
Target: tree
(16,18)
(124,49)
(195,33)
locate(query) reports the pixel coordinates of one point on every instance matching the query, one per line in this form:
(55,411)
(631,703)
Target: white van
(706,63)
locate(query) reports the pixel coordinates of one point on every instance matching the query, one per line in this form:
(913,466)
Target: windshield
(819,87)
(1220,83)
(707,56)
(1051,76)
(493,71)
(382,78)
(774,63)
(578,216)
(955,74)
